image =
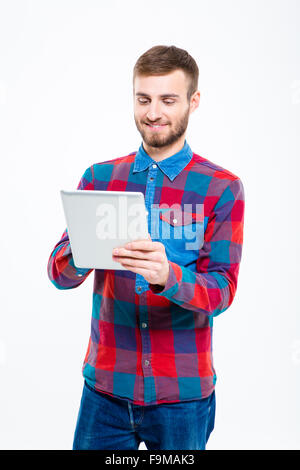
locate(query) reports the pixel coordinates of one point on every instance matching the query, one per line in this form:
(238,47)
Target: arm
(62,271)
(211,289)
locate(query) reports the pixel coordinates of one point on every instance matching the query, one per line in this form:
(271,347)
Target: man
(148,370)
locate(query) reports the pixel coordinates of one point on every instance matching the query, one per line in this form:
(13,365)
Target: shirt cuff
(78,272)
(82,271)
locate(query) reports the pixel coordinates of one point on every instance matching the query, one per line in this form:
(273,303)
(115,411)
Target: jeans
(106,422)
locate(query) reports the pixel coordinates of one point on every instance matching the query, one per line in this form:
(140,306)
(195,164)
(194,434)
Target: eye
(141,101)
(145,101)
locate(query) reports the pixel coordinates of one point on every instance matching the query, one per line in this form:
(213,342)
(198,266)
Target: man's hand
(144,257)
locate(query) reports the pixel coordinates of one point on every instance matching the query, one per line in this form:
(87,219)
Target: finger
(134,253)
(142,271)
(139,263)
(146,245)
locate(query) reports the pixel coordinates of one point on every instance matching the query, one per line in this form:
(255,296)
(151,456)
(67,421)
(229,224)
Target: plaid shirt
(151,344)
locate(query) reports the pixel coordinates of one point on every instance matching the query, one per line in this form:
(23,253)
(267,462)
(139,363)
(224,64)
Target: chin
(157,143)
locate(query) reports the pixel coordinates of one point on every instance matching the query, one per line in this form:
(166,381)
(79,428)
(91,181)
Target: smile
(157,127)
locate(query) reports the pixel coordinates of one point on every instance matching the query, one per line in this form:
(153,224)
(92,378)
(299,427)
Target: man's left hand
(144,257)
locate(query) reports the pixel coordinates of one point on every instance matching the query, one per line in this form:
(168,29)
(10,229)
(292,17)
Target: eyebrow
(166,95)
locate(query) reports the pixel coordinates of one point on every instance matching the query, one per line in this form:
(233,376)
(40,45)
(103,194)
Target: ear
(194,101)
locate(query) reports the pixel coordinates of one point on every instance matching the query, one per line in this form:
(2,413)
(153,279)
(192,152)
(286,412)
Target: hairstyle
(161,60)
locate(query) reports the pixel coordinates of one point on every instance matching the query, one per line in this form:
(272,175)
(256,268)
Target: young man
(148,370)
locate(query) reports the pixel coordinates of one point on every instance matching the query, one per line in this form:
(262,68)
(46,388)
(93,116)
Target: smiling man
(162,117)
(148,370)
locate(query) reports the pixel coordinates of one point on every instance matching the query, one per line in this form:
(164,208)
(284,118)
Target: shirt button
(147,363)
(175,221)
(144,325)
(139,289)
(151,178)
(154,166)
(80,275)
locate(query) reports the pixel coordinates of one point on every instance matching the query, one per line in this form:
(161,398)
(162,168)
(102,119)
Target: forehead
(173,82)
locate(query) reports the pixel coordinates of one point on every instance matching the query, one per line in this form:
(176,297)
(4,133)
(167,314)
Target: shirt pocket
(182,234)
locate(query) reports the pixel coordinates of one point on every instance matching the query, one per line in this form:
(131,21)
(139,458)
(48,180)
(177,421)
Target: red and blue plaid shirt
(151,344)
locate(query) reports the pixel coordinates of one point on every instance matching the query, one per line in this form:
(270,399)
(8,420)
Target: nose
(154,111)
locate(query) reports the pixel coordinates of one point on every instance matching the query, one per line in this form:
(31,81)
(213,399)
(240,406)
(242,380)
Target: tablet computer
(98,221)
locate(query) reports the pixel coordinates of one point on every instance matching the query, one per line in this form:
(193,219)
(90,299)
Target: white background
(66,103)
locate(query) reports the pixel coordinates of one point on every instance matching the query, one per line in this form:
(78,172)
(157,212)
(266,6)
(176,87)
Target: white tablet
(98,221)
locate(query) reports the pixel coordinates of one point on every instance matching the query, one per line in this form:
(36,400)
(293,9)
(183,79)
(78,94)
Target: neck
(161,153)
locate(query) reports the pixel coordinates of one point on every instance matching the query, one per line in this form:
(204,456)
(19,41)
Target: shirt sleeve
(211,289)
(62,271)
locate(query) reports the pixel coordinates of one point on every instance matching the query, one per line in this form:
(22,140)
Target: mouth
(156,127)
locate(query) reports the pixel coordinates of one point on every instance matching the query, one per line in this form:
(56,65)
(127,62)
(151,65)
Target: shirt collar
(171,166)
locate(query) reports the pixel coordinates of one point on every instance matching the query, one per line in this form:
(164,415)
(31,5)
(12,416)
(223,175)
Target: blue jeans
(105,422)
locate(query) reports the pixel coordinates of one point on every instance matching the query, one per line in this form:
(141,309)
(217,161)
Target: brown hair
(161,60)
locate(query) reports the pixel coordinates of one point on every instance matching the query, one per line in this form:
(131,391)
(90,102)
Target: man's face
(161,109)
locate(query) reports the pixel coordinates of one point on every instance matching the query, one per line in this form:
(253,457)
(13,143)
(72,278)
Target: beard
(159,141)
